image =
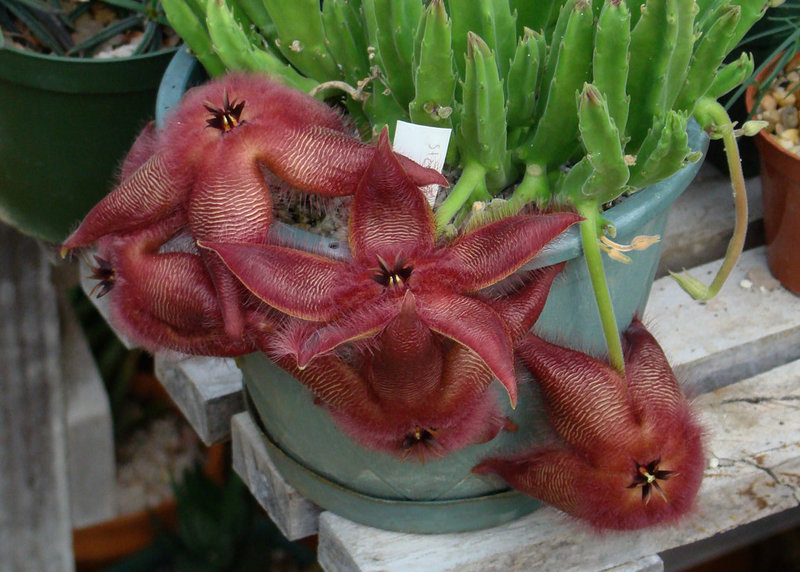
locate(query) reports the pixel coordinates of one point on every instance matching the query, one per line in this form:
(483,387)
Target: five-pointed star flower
(632,451)
(396,261)
(414,393)
(213,166)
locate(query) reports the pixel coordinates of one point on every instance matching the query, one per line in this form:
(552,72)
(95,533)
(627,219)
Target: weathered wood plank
(294,515)
(647,564)
(35,532)
(754,460)
(90,435)
(751,326)
(207,390)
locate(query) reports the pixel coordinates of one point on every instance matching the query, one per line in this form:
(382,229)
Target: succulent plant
(563,106)
(568,102)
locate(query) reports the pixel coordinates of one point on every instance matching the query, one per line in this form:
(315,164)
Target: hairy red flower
(396,262)
(166,300)
(413,392)
(632,452)
(212,165)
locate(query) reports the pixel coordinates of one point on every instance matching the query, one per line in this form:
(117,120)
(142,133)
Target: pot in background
(780,190)
(65,125)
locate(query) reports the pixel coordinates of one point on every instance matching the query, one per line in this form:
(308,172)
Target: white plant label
(424,145)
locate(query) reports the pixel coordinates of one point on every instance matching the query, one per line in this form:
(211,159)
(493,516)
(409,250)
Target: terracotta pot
(780,189)
(102,544)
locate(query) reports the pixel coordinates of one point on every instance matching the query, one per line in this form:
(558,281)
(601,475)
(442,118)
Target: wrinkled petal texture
(632,453)
(586,400)
(475,325)
(492,252)
(298,283)
(390,216)
(167,300)
(408,368)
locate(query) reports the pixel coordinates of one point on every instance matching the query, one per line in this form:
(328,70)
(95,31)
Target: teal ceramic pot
(380,490)
(65,125)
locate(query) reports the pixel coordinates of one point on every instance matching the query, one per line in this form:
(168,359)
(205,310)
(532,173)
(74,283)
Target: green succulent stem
(594,262)
(472,180)
(534,187)
(710,114)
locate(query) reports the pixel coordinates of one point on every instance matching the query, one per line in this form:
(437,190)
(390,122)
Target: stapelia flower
(215,163)
(632,452)
(166,300)
(413,393)
(395,256)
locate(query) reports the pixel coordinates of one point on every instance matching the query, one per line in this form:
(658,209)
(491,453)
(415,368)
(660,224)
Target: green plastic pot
(65,126)
(443,495)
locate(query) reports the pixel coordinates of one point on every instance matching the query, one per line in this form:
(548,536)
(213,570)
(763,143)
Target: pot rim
(87,61)
(82,76)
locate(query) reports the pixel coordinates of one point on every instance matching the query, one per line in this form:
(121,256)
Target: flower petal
(555,476)
(651,381)
(490,253)
(151,193)
(407,367)
(520,310)
(297,283)
(389,216)
(366,322)
(476,326)
(586,399)
(338,386)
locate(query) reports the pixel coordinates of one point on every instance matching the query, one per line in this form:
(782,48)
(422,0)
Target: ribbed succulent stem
(473,178)
(534,187)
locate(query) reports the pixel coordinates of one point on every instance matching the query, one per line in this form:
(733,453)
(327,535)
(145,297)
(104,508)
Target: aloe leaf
(183,18)
(302,37)
(391,29)
(522,83)
(481,133)
(493,21)
(346,39)
(710,50)
(537,15)
(731,75)
(604,152)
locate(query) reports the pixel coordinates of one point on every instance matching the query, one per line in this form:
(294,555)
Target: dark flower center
(106,275)
(647,477)
(226,117)
(419,436)
(394,275)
